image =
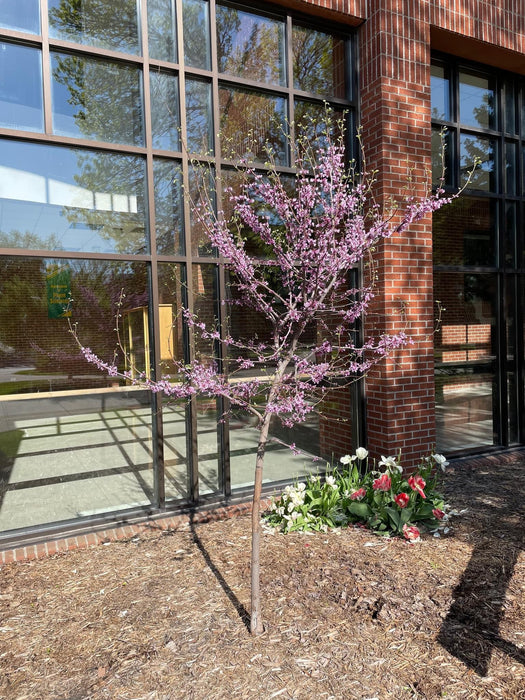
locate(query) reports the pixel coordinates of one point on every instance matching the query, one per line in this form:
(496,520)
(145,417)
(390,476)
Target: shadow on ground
(493,490)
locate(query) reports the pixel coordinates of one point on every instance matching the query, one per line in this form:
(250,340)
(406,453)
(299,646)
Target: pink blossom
(437,513)
(383,483)
(411,533)
(358,495)
(402,499)
(417,483)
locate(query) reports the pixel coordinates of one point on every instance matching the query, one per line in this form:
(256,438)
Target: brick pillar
(395,114)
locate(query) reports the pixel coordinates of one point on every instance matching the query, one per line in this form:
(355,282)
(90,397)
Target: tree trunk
(256,624)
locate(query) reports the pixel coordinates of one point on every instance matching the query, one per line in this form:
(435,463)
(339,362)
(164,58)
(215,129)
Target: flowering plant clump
(383,499)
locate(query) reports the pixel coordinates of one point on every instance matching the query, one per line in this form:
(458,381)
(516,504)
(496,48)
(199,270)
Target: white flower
(361,453)
(330,480)
(390,463)
(315,479)
(280,510)
(290,507)
(301,487)
(441,461)
(346,459)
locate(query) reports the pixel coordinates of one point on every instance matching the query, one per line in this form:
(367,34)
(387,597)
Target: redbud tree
(316,233)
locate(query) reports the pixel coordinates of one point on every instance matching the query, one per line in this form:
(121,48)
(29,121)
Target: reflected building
(115,115)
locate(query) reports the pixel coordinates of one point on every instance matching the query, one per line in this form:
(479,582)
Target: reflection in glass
(465,348)
(510,234)
(311,121)
(40,295)
(476,148)
(75,441)
(513,401)
(195,14)
(205,305)
(201,189)
(464,232)
(21,88)
(199,120)
(165,120)
(509,103)
(162,30)
(476,101)
(108,25)
(172,298)
(95,99)
(20,15)
(442,157)
(318,62)
(167,176)
(511,167)
(250,46)
(253,125)
(61,198)
(440,91)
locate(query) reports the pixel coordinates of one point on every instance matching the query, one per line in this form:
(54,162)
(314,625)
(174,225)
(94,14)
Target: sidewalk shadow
(241,610)
(493,491)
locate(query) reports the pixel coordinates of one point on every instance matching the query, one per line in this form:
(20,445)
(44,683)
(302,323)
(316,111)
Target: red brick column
(395,113)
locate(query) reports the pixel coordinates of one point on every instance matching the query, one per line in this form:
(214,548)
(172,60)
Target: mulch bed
(347,614)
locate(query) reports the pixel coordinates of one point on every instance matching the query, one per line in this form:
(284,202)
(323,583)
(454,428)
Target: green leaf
(360,509)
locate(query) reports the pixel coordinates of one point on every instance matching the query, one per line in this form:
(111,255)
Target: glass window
(440,90)
(509,105)
(319,64)
(88,449)
(167,176)
(20,15)
(201,188)
(510,234)
(95,99)
(253,125)
(464,232)
(199,120)
(465,347)
(250,46)
(162,30)
(311,120)
(476,101)
(108,25)
(195,14)
(58,198)
(21,88)
(483,150)
(511,168)
(165,119)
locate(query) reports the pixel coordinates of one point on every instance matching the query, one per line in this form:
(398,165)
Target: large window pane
(464,233)
(442,157)
(60,198)
(253,124)
(168,207)
(205,305)
(440,91)
(250,46)
(174,415)
(21,15)
(73,441)
(108,25)
(195,15)
(95,99)
(318,62)
(165,119)
(162,30)
(201,189)
(199,120)
(482,150)
(465,348)
(21,88)
(476,101)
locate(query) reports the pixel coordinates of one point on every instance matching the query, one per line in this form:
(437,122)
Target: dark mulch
(348,615)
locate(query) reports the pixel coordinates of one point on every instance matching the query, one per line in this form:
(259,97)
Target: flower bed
(382,499)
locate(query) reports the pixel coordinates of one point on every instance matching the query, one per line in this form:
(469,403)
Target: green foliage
(385,500)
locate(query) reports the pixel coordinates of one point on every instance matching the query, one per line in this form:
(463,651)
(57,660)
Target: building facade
(110,112)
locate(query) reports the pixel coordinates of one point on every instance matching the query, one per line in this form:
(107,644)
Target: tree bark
(256,623)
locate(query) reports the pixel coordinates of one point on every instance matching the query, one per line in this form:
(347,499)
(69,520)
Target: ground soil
(348,615)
